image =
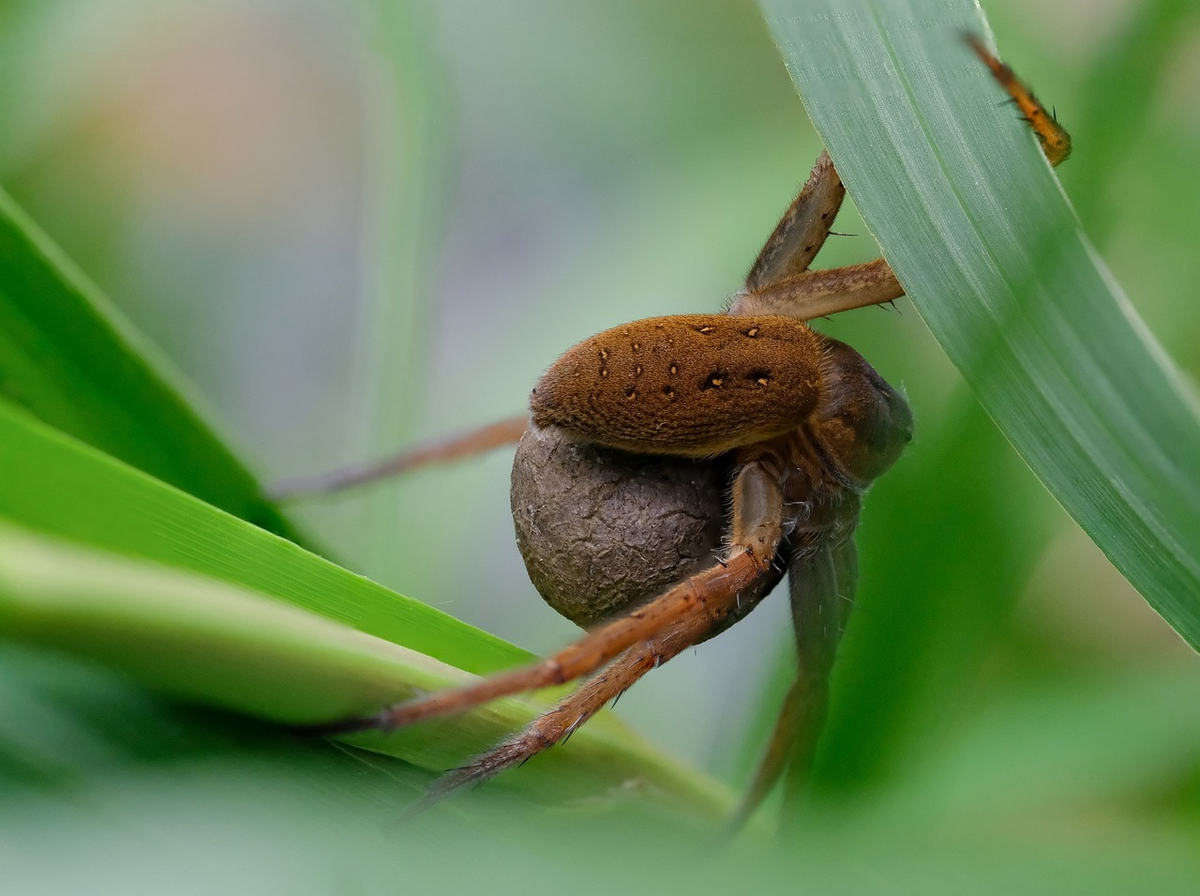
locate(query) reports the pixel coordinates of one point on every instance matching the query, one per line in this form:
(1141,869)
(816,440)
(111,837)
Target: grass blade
(210,642)
(56,485)
(979,232)
(69,356)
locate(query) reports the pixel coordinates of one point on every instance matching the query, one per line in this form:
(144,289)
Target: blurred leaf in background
(256,185)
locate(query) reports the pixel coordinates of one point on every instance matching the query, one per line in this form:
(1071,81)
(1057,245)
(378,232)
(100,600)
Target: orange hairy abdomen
(690,385)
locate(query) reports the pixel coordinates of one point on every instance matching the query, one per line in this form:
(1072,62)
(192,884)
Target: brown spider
(752,403)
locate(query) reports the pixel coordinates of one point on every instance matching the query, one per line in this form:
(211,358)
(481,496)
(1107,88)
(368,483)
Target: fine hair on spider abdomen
(689,385)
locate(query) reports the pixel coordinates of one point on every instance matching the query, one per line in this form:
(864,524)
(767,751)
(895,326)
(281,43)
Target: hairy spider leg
(468,444)
(1053,137)
(822,579)
(822,293)
(802,230)
(781,283)
(559,723)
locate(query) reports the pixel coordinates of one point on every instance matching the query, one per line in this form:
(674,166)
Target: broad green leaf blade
(71,358)
(57,485)
(980,234)
(210,642)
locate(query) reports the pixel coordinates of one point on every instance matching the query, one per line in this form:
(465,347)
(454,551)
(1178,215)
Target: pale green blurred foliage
(227,173)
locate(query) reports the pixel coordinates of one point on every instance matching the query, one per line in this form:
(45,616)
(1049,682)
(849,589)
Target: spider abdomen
(688,385)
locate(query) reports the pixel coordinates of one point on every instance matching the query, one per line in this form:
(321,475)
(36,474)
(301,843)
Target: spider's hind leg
(477,441)
(559,723)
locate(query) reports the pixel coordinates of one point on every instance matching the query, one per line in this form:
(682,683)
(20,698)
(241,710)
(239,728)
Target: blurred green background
(358,225)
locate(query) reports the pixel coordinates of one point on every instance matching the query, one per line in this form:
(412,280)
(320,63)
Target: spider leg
(820,293)
(711,594)
(1053,137)
(822,584)
(559,723)
(775,757)
(780,282)
(477,441)
(802,230)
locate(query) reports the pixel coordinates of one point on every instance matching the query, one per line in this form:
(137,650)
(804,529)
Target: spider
(751,403)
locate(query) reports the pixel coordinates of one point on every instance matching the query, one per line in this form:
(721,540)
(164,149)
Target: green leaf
(103,782)
(70,357)
(57,485)
(206,641)
(975,225)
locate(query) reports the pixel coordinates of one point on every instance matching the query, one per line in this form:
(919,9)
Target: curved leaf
(68,356)
(982,237)
(210,642)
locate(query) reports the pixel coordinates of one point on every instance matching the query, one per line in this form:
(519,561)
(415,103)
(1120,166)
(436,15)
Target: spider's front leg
(467,444)
(780,281)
